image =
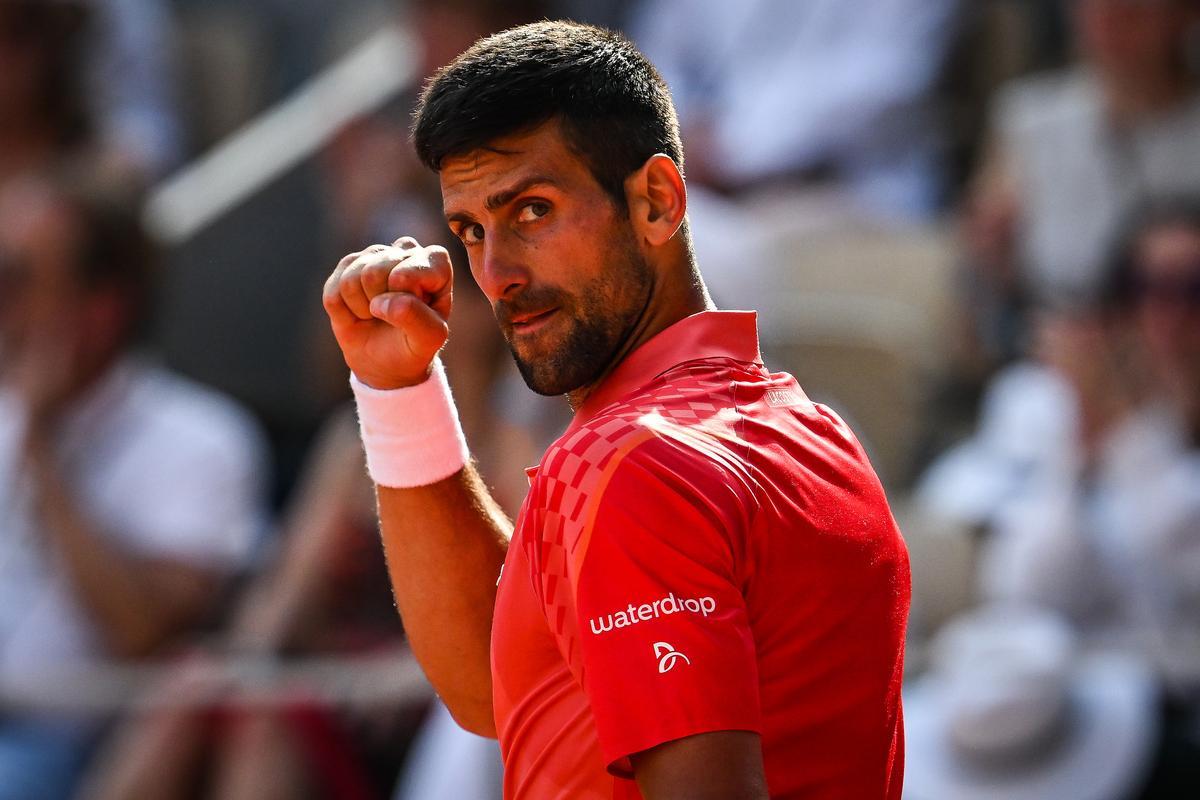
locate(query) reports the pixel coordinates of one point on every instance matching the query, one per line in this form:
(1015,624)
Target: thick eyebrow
(505,196)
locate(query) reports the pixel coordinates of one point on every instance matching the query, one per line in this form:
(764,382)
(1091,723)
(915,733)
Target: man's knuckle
(392,257)
(351,292)
(403,272)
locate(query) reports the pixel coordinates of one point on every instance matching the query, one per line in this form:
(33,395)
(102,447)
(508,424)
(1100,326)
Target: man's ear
(657,200)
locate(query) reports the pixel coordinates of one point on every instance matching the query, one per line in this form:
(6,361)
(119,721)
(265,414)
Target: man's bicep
(721,764)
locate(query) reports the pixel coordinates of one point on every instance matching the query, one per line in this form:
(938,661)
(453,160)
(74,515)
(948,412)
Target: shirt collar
(708,334)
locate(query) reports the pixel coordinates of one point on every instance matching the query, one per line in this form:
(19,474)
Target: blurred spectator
(1087,470)
(1018,442)
(1072,153)
(1011,710)
(132,84)
(130,494)
(1043,417)
(1155,276)
(327,593)
(43,105)
(86,77)
(774,90)
(1110,532)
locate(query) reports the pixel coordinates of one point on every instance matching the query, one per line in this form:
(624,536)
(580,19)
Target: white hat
(1009,712)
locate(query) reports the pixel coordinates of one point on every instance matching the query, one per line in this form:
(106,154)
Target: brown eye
(531,212)
(471,234)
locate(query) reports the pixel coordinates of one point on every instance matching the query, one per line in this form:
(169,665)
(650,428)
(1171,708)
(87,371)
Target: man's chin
(557,365)
(542,381)
(546,377)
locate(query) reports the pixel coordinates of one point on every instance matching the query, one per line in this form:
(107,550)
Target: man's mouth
(523,324)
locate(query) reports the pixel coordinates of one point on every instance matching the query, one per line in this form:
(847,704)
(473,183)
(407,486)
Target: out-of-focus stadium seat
(860,315)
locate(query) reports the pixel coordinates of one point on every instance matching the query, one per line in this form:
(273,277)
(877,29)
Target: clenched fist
(390,309)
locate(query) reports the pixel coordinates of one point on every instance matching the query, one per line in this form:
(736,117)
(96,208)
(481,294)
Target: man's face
(1125,37)
(37,284)
(1167,283)
(556,257)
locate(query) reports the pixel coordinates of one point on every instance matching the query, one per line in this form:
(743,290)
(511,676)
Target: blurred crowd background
(970,226)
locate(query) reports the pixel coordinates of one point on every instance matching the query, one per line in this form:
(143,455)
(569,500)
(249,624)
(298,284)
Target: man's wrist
(411,435)
(380,384)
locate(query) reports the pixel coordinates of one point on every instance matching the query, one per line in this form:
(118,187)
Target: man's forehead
(542,150)
(482,163)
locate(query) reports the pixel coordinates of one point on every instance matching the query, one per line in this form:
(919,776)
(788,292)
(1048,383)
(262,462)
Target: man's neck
(663,309)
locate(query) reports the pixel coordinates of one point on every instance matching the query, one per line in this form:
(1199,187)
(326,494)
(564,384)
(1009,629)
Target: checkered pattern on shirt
(572,476)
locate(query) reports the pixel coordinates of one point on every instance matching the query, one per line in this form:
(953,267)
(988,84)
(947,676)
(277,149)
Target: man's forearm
(389,308)
(445,545)
(135,602)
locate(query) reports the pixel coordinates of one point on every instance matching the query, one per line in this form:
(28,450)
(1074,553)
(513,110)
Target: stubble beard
(601,316)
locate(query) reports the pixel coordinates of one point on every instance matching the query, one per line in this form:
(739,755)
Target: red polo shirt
(704,549)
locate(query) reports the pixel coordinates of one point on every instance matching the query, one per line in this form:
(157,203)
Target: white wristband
(412,436)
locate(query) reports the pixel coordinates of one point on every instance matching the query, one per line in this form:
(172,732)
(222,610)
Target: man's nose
(501,273)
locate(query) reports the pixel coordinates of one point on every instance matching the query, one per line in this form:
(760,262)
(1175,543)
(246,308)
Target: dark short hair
(59,32)
(614,107)
(1120,274)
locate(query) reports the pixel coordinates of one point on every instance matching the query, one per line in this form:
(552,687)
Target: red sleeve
(664,643)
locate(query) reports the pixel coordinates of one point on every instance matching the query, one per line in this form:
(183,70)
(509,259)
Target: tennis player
(705,594)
